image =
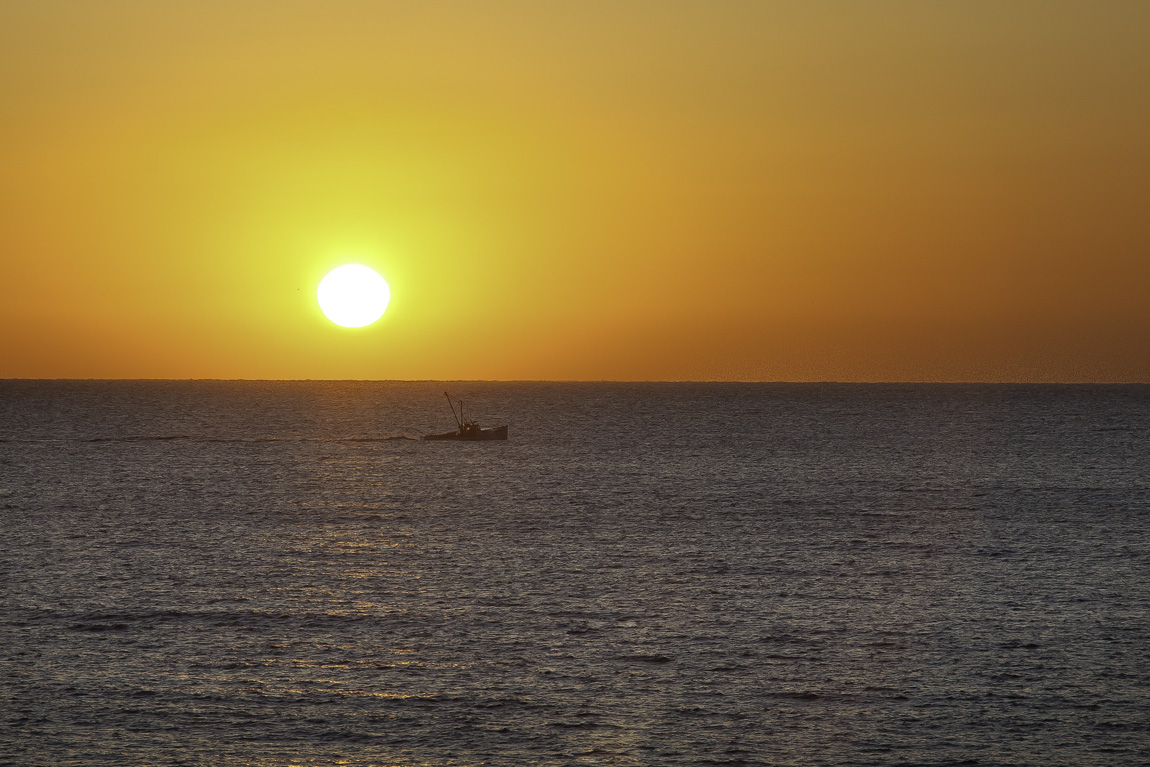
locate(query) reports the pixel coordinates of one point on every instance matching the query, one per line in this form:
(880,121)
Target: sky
(592,190)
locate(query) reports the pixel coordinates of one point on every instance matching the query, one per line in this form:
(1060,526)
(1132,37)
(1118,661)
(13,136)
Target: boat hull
(472,435)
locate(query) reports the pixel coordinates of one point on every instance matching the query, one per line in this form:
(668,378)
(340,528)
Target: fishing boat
(468,429)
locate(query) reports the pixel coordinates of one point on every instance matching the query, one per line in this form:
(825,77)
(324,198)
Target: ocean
(276,573)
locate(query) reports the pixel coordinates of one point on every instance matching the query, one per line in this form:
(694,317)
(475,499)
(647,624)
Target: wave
(161,438)
(402,437)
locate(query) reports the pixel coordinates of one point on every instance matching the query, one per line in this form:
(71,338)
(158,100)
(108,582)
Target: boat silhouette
(468,429)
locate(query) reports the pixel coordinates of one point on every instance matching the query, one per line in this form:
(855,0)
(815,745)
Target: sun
(353,295)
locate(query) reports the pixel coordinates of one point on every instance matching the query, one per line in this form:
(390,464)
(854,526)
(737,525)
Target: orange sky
(578,190)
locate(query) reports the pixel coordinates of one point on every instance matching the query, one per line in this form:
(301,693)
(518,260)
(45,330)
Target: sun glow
(353,295)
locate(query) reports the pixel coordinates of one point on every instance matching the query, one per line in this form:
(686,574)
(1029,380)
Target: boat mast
(459,418)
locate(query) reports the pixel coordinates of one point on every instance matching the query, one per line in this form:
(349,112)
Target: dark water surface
(645,574)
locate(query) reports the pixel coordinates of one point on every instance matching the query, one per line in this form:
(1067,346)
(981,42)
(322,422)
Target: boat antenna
(458,418)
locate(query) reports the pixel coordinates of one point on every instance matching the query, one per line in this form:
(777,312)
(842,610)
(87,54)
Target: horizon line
(601,381)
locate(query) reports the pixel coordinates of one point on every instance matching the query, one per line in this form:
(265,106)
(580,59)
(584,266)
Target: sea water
(275,573)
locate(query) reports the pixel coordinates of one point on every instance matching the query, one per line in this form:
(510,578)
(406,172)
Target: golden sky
(751,190)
